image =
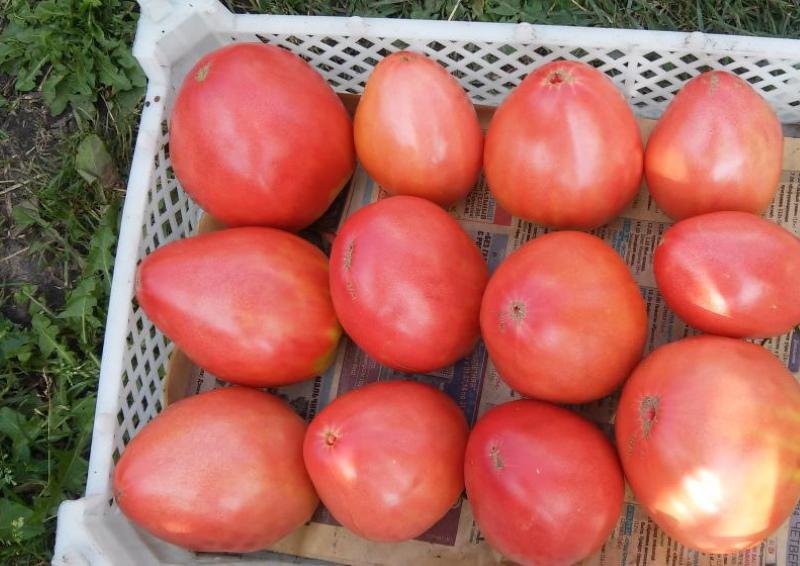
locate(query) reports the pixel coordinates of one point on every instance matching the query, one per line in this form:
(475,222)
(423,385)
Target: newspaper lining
(475,385)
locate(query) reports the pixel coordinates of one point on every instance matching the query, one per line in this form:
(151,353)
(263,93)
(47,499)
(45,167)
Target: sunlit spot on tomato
(750,291)
(176,527)
(671,166)
(408,321)
(551,335)
(709,296)
(391,498)
(407,133)
(699,495)
(346,469)
(681,510)
(705,490)
(704,498)
(730,168)
(591,156)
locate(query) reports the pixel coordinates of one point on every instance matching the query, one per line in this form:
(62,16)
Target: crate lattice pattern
(170,215)
(489,71)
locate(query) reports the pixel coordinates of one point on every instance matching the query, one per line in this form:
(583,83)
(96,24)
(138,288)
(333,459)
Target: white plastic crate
(488,59)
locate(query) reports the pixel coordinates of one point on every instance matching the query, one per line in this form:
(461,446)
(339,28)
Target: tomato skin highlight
(416,131)
(221,471)
(257,137)
(563,319)
(250,305)
(731,273)
(706,430)
(544,484)
(388,458)
(564,148)
(406,282)
(718,146)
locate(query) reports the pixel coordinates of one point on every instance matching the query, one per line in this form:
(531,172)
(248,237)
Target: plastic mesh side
(169,215)
(489,71)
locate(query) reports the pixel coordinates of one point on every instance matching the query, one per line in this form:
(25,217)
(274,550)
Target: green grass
(59,220)
(68,108)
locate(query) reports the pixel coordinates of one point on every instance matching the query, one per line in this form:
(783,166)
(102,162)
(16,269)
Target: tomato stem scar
(494,453)
(348,255)
(559,76)
(648,411)
(202,73)
(517,311)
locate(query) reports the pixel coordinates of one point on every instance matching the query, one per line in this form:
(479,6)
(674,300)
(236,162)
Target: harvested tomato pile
(707,427)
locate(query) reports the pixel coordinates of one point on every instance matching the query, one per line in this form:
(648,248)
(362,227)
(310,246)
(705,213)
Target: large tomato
(563,319)
(731,273)
(707,430)
(406,281)
(218,472)
(251,305)
(544,484)
(416,131)
(564,149)
(718,146)
(388,459)
(258,138)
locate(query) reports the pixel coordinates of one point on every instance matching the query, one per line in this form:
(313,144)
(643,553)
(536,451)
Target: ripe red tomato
(707,430)
(563,319)
(251,305)
(221,471)
(258,138)
(388,459)
(407,281)
(416,131)
(718,146)
(731,273)
(564,148)
(544,484)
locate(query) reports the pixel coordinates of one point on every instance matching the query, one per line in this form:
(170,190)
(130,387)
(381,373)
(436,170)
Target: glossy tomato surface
(258,138)
(544,484)
(718,146)
(707,431)
(388,459)
(564,148)
(406,281)
(731,273)
(416,131)
(563,319)
(251,305)
(221,471)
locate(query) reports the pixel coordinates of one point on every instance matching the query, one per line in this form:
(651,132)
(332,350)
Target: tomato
(407,281)
(564,148)
(563,319)
(258,138)
(388,459)
(731,273)
(544,484)
(416,131)
(251,305)
(707,430)
(718,146)
(221,471)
